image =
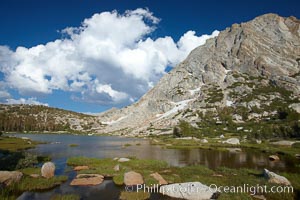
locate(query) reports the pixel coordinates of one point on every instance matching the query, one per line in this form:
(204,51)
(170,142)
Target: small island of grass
(73,145)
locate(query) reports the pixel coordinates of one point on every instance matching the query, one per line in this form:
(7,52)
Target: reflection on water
(106,190)
(110,146)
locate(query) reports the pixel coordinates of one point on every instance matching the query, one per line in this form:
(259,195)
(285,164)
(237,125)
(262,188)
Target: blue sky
(91,55)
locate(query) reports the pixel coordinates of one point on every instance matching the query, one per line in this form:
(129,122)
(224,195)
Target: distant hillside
(22,118)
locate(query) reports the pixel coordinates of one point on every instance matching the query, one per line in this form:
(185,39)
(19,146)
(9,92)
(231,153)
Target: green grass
(215,96)
(28,183)
(6,194)
(134,195)
(296,145)
(150,181)
(31,170)
(100,166)
(37,184)
(73,145)
(118,179)
(91,162)
(65,197)
(15,144)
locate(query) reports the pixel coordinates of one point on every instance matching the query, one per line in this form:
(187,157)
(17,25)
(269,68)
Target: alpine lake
(61,147)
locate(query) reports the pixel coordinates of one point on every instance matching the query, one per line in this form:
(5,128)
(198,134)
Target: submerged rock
(204,141)
(87,179)
(9,177)
(188,138)
(232,141)
(133,178)
(258,141)
(275,178)
(283,143)
(48,170)
(159,178)
(217,175)
(189,190)
(123,159)
(274,158)
(234,150)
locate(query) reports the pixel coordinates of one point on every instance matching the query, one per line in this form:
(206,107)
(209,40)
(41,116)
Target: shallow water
(112,146)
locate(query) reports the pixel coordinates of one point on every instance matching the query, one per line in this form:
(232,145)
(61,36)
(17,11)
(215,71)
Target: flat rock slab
(34,175)
(87,179)
(189,190)
(275,178)
(9,177)
(159,178)
(184,138)
(260,197)
(79,168)
(234,150)
(283,143)
(204,141)
(117,168)
(123,159)
(133,178)
(234,141)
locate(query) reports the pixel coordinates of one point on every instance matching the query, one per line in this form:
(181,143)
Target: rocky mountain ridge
(252,66)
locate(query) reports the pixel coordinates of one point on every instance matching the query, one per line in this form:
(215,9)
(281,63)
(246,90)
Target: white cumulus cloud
(109,59)
(4,95)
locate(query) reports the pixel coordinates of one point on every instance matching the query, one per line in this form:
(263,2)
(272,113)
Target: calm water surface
(112,146)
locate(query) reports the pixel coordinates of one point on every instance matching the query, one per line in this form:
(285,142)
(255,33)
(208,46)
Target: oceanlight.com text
(252,189)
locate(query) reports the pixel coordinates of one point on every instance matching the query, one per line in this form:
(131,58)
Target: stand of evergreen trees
(20,118)
(11,123)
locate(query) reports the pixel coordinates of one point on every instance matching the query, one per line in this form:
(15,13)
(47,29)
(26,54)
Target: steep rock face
(246,57)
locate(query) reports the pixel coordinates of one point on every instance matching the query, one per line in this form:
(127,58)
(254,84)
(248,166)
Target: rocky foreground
(138,179)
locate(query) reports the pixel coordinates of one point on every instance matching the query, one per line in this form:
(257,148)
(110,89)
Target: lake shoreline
(117,146)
